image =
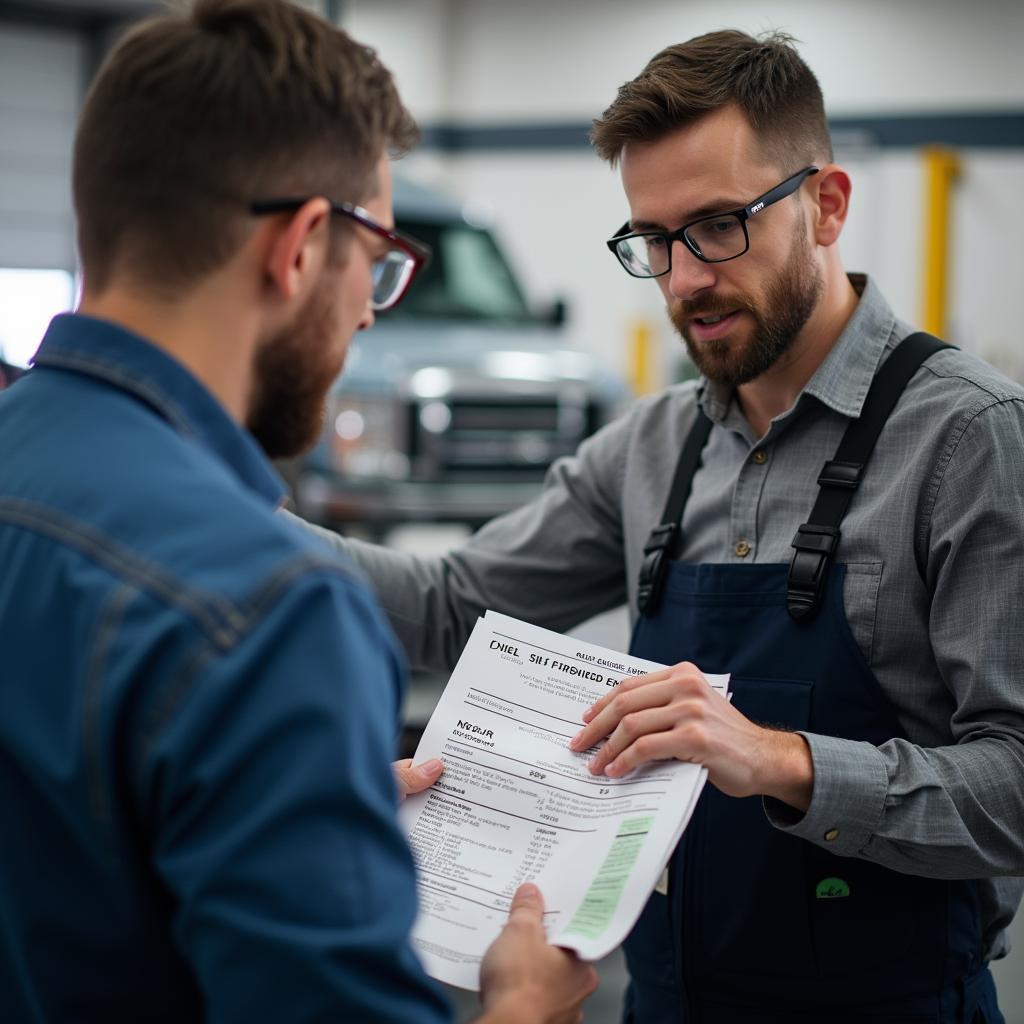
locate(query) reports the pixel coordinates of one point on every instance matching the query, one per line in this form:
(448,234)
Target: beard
(292,374)
(790,299)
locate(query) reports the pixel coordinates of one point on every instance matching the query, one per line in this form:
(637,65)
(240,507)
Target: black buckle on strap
(808,570)
(841,474)
(652,571)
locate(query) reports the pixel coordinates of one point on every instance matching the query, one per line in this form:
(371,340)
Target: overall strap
(816,540)
(665,542)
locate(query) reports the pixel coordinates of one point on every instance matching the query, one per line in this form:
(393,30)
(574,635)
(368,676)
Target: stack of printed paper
(515,804)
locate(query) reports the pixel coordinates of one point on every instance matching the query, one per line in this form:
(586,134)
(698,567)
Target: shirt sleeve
(555,562)
(271,801)
(952,809)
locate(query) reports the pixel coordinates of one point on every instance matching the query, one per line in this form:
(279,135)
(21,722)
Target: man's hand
(412,778)
(524,979)
(674,713)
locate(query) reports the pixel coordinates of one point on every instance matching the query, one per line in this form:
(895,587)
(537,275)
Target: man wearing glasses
(833,514)
(199,698)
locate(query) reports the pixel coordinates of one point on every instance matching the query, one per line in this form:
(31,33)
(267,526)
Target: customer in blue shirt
(196,806)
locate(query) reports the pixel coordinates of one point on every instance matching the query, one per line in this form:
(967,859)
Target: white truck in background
(452,406)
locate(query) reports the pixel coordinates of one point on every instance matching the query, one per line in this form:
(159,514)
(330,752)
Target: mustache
(711,305)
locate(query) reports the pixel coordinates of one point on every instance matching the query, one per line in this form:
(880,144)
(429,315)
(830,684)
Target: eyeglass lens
(390,276)
(718,238)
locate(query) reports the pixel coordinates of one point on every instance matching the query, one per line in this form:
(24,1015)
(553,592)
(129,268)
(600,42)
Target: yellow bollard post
(941,170)
(641,363)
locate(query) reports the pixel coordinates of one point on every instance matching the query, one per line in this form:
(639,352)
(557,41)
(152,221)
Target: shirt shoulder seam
(986,400)
(222,621)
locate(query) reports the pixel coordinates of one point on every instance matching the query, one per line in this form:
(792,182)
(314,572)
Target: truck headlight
(363,436)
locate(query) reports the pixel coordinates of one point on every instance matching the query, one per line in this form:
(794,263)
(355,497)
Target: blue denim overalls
(759,926)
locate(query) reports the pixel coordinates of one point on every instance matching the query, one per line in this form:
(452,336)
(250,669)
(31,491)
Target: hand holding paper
(675,713)
(516,804)
(413,778)
(523,976)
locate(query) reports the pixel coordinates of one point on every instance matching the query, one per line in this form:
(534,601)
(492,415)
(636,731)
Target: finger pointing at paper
(675,713)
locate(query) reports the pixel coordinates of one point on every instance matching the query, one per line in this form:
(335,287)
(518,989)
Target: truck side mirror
(557,313)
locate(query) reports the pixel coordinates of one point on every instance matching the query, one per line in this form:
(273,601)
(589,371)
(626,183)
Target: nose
(689,275)
(367,319)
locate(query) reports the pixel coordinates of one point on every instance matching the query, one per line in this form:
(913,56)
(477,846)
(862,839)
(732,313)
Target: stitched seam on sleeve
(213,614)
(935,482)
(92,707)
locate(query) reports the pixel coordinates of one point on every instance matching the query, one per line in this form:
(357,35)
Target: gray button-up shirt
(934,548)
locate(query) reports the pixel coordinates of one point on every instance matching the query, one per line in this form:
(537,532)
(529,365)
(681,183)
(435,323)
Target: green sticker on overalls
(831,889)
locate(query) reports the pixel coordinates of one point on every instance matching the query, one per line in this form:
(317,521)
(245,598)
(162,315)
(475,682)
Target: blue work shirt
(197,715)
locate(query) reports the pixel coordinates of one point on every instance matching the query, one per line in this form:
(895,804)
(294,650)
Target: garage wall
(491,64)
(41,76)
(540,60)
(484,62)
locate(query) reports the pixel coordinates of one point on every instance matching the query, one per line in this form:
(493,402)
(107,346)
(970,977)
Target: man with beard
(834,515)
(199,698)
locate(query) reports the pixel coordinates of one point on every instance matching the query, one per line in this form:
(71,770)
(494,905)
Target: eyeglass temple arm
(618,236)
(783,189)
(423,252)
(286,205)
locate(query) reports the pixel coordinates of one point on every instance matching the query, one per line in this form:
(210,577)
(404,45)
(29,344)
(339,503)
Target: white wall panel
(40,92)
(987,265)
(420,44)
(882,236)
(541,60)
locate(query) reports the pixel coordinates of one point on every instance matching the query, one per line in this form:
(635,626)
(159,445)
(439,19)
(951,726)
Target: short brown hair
(195,114)
(765,77)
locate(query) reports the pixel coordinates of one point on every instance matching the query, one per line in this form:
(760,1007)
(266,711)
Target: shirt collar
(101,349)
(843,379)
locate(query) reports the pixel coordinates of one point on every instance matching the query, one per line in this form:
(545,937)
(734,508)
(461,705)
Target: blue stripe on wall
(993,129)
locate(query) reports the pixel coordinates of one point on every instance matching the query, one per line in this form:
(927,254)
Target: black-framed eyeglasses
(393,272)
(715,239)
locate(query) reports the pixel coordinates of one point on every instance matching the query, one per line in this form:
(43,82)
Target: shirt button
(831,835)
(760,456)
(742,548)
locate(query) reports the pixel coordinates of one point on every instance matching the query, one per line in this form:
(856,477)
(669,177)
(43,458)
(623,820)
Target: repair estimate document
(515,804)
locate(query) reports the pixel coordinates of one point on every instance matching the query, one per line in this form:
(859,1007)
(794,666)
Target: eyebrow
(707,210)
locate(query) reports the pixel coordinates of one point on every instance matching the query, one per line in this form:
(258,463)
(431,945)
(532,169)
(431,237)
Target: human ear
(831,192)
(298,248)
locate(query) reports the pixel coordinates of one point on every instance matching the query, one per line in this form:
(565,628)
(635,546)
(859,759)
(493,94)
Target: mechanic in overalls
(846,893)
(834,514)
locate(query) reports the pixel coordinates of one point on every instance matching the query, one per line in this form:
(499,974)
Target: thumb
(415,778)
(429,771)
(527,905)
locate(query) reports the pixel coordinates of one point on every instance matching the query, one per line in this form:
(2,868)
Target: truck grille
(497,437)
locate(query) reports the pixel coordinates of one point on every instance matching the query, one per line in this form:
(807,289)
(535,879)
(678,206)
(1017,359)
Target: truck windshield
(467,278)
